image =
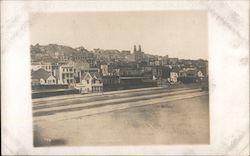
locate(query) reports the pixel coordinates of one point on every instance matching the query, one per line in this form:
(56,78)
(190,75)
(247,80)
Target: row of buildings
(93,71)
(95,57)
(72,74)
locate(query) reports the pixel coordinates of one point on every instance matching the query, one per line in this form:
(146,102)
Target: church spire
(139,48)
(134,48)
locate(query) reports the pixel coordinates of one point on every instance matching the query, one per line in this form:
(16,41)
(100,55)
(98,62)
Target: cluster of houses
(92,72)
(74,74)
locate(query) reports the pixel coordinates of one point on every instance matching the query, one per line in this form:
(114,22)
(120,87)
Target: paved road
(76,106)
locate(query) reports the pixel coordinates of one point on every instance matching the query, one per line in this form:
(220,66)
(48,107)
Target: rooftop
(40,74)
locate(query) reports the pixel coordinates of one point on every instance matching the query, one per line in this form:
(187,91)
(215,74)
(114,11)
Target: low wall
(54,93)
(128,86)
(45,87)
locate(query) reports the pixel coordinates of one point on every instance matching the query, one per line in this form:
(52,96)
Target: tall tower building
(138,53)
(134,48)
(139,48)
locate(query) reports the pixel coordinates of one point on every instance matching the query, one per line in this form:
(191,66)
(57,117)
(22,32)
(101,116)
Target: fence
(54,93)
(45,87)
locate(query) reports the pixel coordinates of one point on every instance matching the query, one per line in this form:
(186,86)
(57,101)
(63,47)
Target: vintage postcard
(120,78)
(112,77)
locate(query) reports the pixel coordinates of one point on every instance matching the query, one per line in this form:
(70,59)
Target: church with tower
(138,53)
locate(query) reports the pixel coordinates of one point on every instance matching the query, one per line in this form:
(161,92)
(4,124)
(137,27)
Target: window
(63,76)
(87,81)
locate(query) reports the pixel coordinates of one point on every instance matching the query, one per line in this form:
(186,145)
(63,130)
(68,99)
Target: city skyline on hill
(108,50)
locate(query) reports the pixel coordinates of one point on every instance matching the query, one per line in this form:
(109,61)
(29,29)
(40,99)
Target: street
(141,116)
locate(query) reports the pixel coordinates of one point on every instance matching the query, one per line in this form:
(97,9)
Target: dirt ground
(178,122)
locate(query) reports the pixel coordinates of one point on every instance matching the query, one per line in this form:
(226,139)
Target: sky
(181,34)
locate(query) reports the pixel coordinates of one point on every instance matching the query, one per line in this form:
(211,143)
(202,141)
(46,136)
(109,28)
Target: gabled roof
(85,74)
(40,74)
(95,74)
(91,74)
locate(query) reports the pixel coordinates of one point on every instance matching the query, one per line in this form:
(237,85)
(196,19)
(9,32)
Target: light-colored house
(35,66)
(188,72)
(174,76)
(104,69)
(200,74)
(47,66)
(90,82)
(66,74)
(44,65)
(78,67)
(42,77)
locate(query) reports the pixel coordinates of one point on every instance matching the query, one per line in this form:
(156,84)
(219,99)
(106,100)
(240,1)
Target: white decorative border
(228,69)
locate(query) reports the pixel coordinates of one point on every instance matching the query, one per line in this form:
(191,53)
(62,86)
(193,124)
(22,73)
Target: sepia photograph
(119,78)
(125,77)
